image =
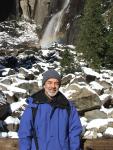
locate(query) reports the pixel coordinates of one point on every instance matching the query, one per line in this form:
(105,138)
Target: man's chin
(52,94)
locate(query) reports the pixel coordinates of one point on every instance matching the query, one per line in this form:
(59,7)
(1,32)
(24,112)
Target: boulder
(95,114)
(84,98)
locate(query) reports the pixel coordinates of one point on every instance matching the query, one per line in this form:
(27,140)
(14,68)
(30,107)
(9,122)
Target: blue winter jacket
(56,129)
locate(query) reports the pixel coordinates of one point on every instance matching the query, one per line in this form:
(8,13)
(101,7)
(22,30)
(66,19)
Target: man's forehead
(52,80)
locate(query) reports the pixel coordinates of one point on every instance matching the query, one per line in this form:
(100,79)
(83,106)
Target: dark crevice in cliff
(7,9)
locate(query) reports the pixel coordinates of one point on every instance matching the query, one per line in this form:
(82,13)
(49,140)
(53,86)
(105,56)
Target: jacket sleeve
(75,129)
(25,130)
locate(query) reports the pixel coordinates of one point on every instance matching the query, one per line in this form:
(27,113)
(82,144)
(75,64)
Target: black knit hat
(51,74)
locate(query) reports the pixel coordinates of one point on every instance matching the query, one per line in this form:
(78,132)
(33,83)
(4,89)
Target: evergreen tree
(92,31)
(109,41)
(67,62)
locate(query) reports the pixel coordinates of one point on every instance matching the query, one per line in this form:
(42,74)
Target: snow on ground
(90,71)
(106,110)
(16,105)
(15,89)
(11,120)
(26,32)
(109,131)
(9,134)
(95,86)
(97,123)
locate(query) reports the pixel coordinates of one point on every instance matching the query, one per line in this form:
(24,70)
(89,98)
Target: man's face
(51,87)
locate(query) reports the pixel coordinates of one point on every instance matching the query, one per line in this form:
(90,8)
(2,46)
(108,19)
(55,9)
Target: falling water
(53,27)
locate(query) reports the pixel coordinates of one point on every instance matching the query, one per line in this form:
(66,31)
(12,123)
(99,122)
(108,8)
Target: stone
(67,79)
(105,84)
(84,98)
(95,114)
(4,110)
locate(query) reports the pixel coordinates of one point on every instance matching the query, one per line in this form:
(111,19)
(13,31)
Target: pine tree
(67,62)
(109,42)
(92,31)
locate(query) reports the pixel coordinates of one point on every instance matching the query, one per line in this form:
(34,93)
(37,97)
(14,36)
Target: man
(56,125)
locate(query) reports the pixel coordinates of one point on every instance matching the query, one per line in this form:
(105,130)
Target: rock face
(35,9)
(41,11)
(68,30)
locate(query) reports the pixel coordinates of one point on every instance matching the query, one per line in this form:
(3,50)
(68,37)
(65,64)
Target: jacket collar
(58,101)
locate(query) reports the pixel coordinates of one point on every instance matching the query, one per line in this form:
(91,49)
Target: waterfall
(53,27)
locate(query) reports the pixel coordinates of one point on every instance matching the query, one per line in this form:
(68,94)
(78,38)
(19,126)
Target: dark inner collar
(59,100)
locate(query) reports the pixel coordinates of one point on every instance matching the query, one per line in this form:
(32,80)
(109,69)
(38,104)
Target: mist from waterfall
(51,32)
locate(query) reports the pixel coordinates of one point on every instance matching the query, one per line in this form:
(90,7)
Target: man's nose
(53,85)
